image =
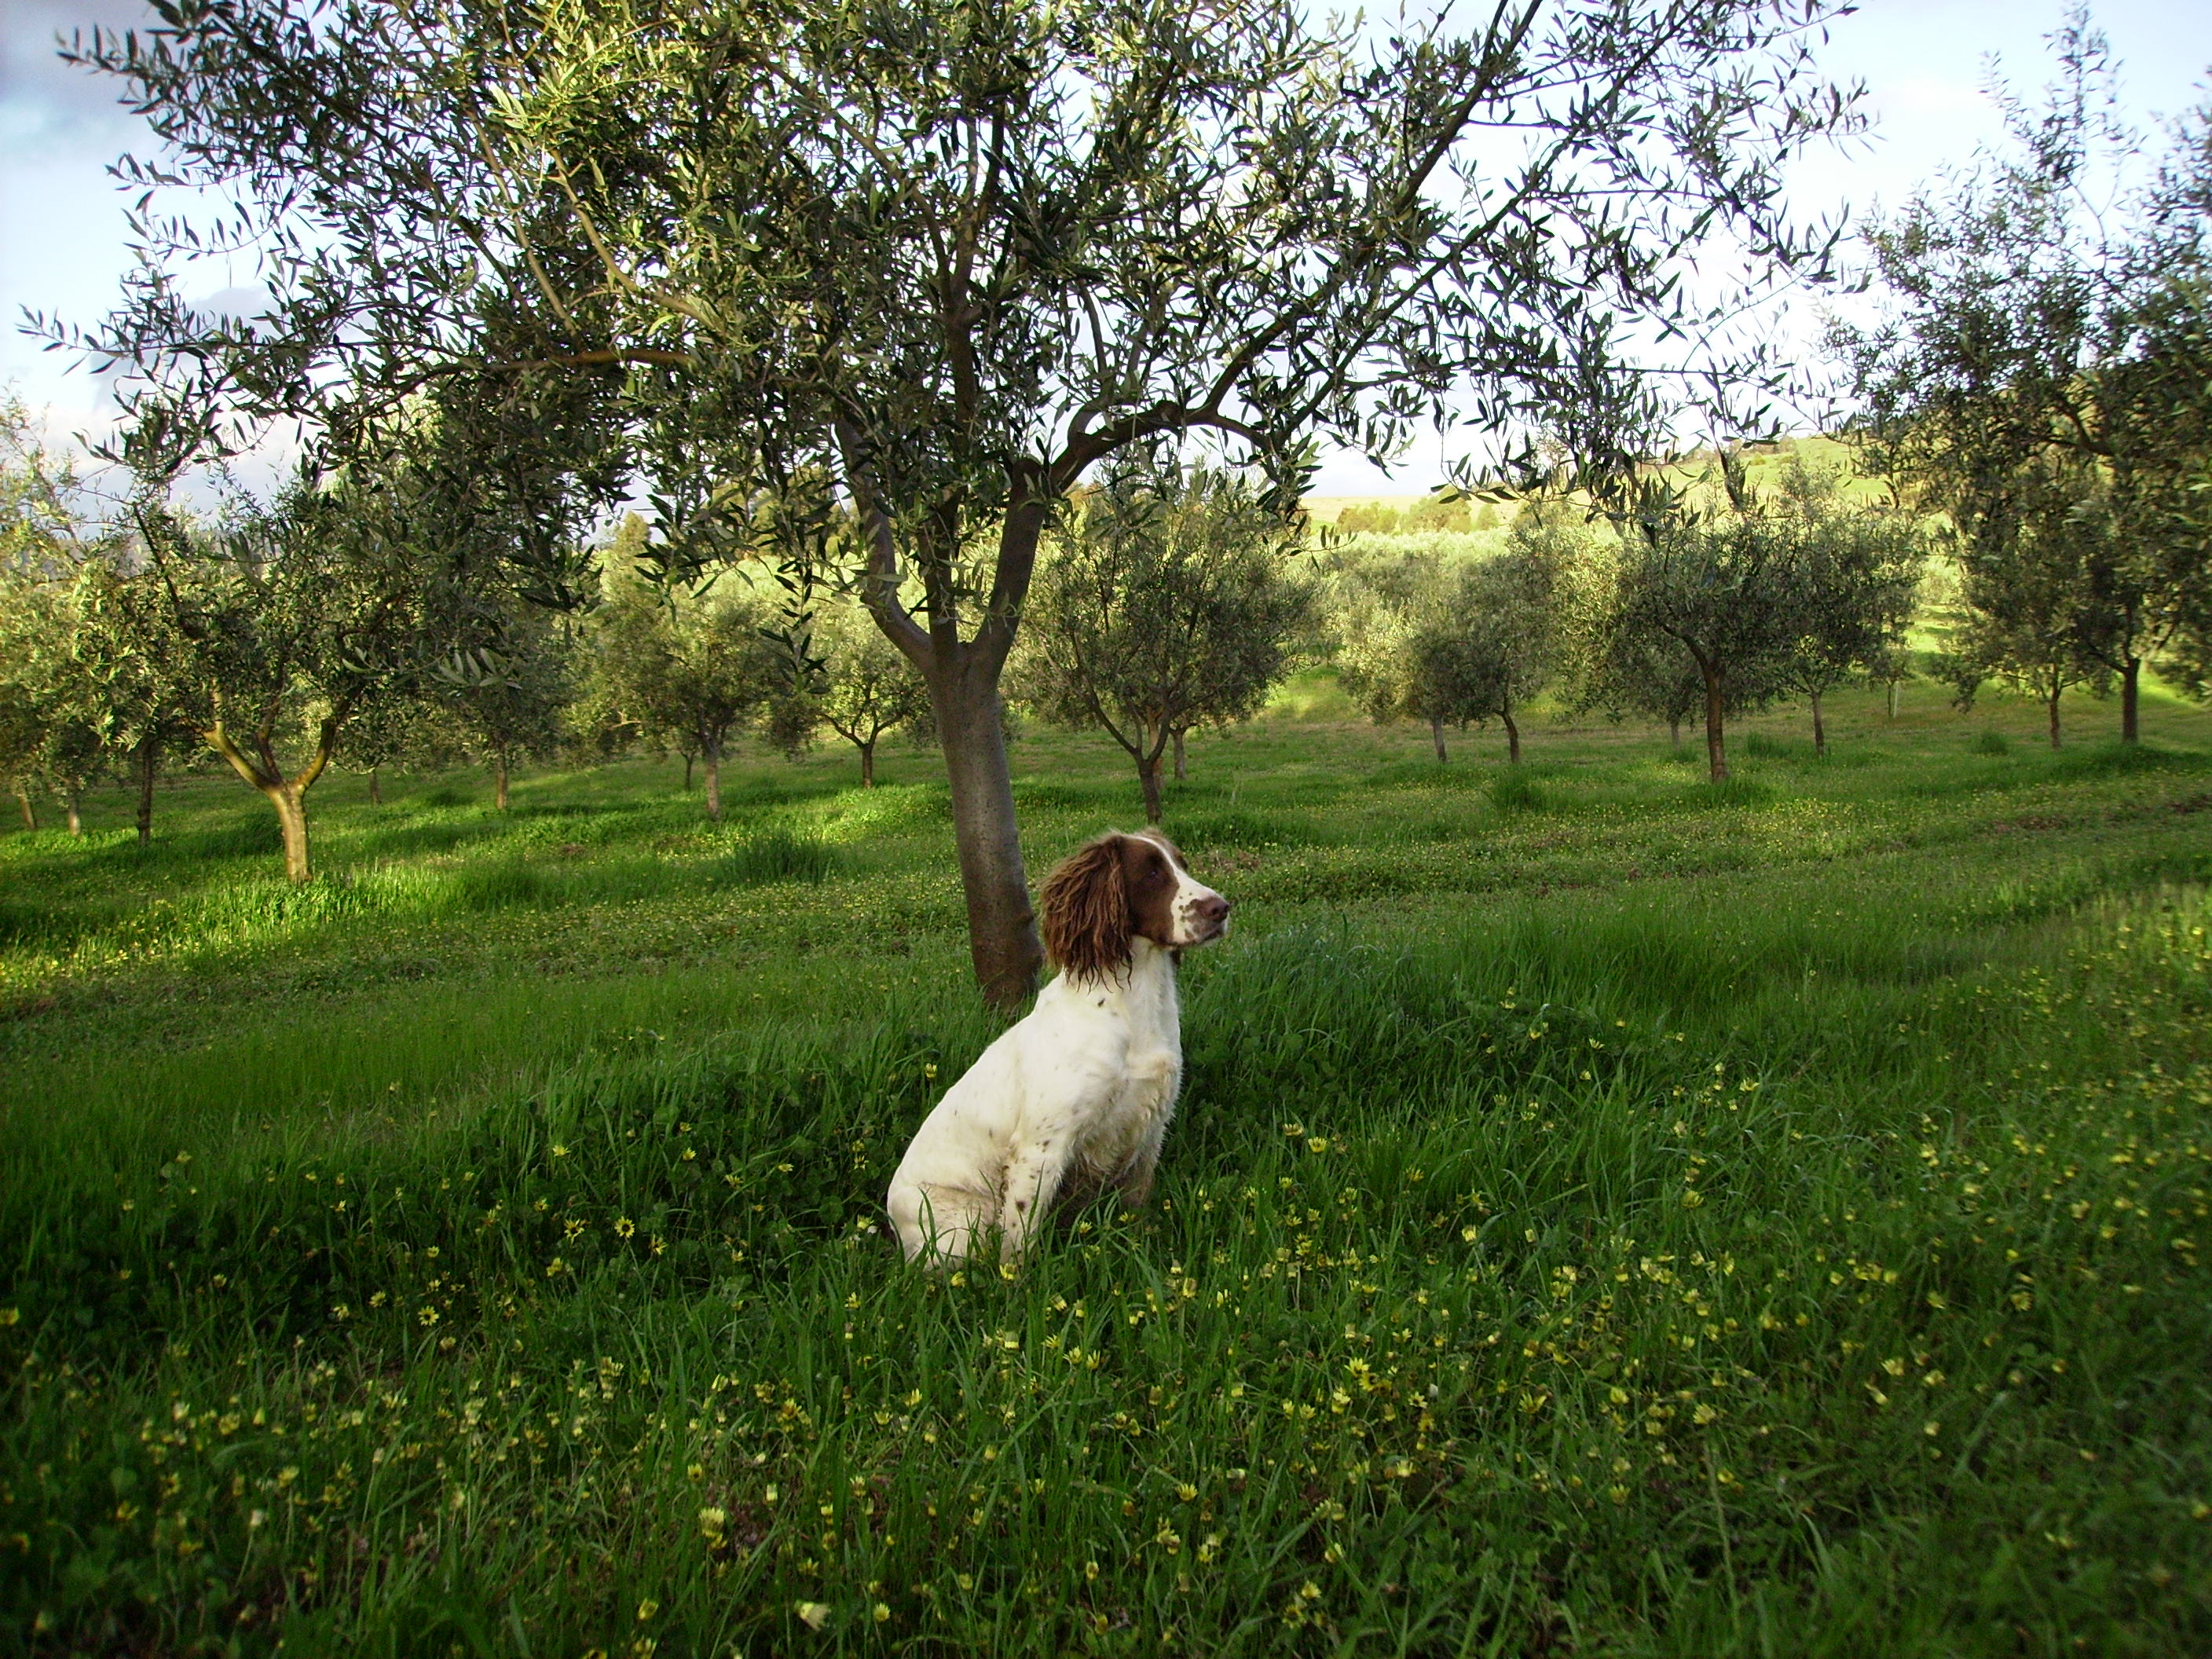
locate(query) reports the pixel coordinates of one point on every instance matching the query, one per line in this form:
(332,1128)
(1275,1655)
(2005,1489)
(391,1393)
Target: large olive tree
(953,254)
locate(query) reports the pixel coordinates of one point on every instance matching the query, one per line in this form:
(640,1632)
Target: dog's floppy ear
(1087,912)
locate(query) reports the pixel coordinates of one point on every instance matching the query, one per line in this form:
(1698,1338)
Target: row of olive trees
(2037,374)
(1705,597)
(954,268)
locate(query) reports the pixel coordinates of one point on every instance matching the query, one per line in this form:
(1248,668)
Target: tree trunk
(375,788)
(713,753)
(2055,695)
(1715,733)
(1148,776)
(687,771)
(867,763)
(1819,732)
(150,758)
(499,782)
(1512,739)
(30,812)
(1436,737)
(1675,732)
(290,801)
(1181,775)
(1892,700)
(69,806)
(1002,935)
(2131,700)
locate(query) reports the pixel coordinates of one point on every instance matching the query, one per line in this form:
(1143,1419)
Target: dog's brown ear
(1087,912)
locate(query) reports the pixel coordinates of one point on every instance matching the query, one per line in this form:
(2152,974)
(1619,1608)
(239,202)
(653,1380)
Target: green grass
(1607,1215)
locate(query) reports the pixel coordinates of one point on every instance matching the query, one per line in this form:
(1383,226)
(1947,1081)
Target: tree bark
(1002,935)
(1512,737)
(1892,701)
(150,759)
(713,755)
(687,771)
(1436,737)
(1716,731)
(499,782)
(1675,732)
(867,763)
(1148,777)
(30,812)
(1819,732)
(2131,700)
(290,801)
(2055,695)
(375,788)
(71,806)
(1180,774)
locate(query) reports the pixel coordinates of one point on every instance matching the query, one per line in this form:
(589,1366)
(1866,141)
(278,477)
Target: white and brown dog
(1076,1098)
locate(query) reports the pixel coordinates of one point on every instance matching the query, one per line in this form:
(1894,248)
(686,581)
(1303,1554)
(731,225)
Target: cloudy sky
(62,233)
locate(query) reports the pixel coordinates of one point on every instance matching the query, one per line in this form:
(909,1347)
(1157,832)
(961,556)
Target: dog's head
(1121,888)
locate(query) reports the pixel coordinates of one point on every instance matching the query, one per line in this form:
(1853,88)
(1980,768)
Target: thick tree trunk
(1002,934)
(375,788)
(499,782)
(1675,732)
(1181,775)
(1148,778)
(713,755)
(71,807)
(2055,696)
(1436,737)
(1716,732)
(150,760)
(1512,739)
(867,763)
(2131,700)
(1819,732)
(290,801)
(30,812)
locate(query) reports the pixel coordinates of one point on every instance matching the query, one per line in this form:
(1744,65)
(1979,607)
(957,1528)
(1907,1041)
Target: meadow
(1608,1214)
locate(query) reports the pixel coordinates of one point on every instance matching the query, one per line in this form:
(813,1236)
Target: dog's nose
(1213,908)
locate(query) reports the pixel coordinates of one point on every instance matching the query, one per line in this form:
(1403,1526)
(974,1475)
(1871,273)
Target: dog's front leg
(1034,1174)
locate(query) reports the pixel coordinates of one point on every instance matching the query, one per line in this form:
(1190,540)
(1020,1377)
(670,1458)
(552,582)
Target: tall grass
(1667,1222)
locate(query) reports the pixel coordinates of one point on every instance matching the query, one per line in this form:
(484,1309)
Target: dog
(1075,1098)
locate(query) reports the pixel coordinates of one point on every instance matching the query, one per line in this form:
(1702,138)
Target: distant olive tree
(687,668)
(1167,603)
(860,684)
(1855,570)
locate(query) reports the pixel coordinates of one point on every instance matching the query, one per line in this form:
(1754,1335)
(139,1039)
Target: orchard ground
(1608,1214)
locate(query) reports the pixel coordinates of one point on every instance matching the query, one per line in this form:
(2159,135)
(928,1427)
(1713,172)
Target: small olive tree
(859,684)
(1168,604)
(687,668)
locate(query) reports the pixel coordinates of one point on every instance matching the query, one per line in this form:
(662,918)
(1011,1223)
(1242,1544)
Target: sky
(1924,61)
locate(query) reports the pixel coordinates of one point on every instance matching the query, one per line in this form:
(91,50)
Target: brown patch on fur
(1086,910)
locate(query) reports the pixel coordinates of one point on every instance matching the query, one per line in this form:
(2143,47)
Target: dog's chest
(1143,1091)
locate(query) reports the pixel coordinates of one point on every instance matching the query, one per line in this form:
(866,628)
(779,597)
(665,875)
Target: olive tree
(953,258)
(2042,313)
(861,685)
(687,668)
(1855,569)
(1166,604)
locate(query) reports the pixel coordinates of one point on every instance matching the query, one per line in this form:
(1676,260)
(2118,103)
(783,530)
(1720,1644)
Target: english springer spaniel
(1077,1097)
